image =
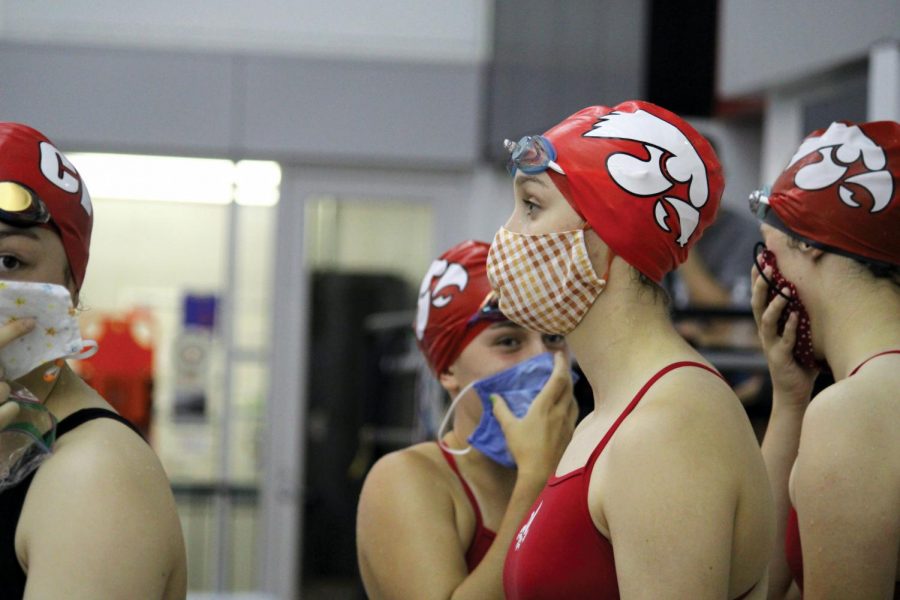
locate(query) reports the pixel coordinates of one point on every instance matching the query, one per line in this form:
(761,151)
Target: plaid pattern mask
(545,282)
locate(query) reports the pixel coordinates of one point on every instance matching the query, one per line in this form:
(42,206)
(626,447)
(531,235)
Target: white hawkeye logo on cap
(647,177)
(451,275)
(62,173)
(839,147)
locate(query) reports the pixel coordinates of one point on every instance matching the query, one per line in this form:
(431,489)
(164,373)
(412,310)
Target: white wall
(764,43)
(396,29)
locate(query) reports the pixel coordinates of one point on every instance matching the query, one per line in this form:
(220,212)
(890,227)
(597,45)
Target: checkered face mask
(545,282)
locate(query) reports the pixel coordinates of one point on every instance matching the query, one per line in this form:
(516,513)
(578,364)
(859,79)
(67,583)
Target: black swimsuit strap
(84,415)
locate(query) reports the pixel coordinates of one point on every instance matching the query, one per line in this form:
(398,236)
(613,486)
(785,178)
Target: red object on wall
(122,369)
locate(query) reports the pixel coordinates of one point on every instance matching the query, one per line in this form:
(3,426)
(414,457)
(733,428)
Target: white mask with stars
(55,334)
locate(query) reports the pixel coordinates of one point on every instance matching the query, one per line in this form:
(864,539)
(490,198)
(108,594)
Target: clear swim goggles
(532,154)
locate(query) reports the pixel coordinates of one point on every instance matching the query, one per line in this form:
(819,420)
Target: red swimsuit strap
(853,372)
(637,398)
(479,524)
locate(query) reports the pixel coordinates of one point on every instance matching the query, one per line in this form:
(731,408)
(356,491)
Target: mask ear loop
(610,254)
(609,260)
(758,249)
(88,349)
(446,420)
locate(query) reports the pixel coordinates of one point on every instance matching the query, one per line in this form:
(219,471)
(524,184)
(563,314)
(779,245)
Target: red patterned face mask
(803,348)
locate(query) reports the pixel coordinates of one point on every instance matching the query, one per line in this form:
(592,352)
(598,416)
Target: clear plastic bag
(27,441)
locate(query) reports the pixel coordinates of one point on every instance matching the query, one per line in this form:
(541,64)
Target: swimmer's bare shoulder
(100,521)
(408,515)
(692,450)
(413,480)
(845,484)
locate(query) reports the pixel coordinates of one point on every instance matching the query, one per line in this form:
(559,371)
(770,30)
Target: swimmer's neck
(626,331)
(855,324)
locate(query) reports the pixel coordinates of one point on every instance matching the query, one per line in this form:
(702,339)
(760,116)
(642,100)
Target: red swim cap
(27,157)
(452,292)
(841,189)
(646,181)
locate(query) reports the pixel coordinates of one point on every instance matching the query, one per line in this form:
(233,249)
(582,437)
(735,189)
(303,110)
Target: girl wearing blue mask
(435,519)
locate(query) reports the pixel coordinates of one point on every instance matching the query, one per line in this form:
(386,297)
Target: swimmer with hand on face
(435,519)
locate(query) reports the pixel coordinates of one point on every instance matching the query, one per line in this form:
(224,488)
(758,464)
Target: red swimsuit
(558,553)
(792,547)
(483,537)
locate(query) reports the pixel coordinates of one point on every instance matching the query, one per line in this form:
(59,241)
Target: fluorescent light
(257,182)
(179,179)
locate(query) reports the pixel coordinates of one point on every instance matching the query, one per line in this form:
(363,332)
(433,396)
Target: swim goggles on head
(488,311)
(532,154)
(761,207)
(20,206)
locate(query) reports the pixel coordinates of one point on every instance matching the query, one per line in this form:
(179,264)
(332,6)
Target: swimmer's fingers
(759,294)
(559,387)
(8,410)
(768,322)
(572,414)
(15,329)
(501,411)
(789,337)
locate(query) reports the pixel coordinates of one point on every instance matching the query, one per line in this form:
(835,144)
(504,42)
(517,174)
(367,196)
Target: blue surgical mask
(519,386)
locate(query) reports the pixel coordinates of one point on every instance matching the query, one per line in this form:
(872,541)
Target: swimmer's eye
(508,342)
(8,262)
(530,207)
(553,341)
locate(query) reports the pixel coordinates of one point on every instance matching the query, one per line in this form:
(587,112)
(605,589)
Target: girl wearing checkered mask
(96,519)
(666,470)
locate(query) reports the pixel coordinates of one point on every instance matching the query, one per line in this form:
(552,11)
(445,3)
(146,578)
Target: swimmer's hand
(8,412)
(537,440)
(791,382)
(8,333)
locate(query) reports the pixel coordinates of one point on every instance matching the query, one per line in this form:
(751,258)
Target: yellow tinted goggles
(20,206)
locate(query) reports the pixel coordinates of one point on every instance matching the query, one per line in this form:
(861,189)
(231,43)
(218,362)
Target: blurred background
(272,179)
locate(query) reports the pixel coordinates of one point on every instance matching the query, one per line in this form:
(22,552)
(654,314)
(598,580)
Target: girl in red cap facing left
(435,519)
(662,491)
(86,510)
(826,296)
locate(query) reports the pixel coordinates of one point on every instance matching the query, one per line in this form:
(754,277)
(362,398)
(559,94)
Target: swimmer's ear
(449,381)
(811,251)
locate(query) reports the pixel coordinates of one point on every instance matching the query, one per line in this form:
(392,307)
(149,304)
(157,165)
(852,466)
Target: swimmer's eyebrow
(503,324)
(20,232)
(523,179)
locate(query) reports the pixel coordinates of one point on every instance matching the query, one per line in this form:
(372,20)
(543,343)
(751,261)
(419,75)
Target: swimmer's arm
(669,504)
(779,450)
(407,538)
(100,522)
(847,501)
(791,390)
